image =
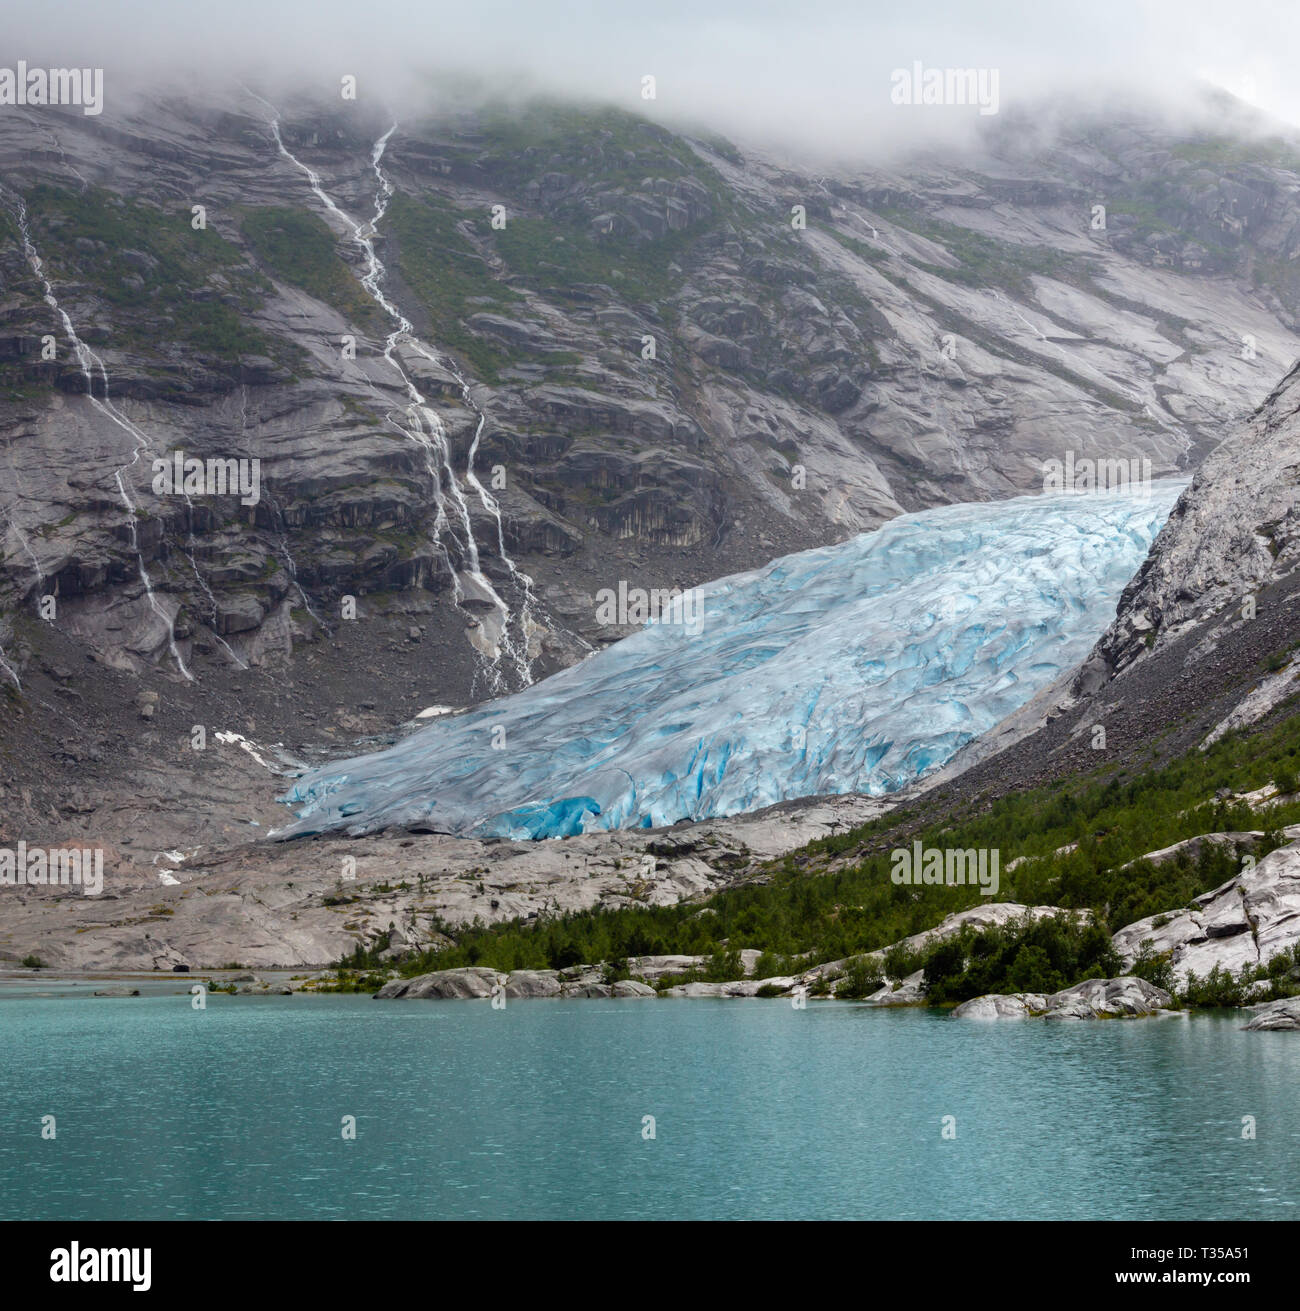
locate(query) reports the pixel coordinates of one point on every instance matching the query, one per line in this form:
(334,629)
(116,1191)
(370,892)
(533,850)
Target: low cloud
(812,78)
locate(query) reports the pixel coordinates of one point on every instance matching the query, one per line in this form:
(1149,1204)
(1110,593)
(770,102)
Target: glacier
(859,667)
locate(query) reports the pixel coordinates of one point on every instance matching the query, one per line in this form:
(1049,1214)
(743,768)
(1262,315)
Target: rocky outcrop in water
(1094,999)
(1276,1016)
(517,985)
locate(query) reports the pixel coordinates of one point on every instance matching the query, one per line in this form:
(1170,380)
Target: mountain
(505,444)
(930,336)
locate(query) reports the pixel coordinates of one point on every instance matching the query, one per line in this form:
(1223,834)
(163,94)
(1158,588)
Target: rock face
(444,985)
(1235,531)
(1245,922)
(532,983)
(1011,1006)
(934,334)
(1094,999)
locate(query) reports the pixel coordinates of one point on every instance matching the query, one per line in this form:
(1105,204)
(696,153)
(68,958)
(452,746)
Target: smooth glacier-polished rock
(1093,999)
(1277,1016)
(1245,922)
(853,668)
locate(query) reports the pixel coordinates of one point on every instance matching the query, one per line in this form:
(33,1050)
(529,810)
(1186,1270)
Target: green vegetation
(351,980)
(864,251)
(1220,987)
(594,140)
(555,257)
(1081,841)
(453,260)
(1229,152)
(449,277)
(298,248)
(23,380)
(33,963)
(173,289)
(1043,955)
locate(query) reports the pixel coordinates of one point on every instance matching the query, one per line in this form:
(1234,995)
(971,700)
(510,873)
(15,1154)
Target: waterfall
(90,365)
(420,423)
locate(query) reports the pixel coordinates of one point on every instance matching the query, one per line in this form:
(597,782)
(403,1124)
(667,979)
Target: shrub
(1026,955)
(723,966)
(1155,967)
(1218,988)
(860,979)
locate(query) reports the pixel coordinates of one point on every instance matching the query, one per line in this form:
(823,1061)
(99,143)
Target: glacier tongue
(852,668)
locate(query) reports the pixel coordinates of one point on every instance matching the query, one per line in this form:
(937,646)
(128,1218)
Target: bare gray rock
(901,992)
(1091,1000)
(1277,1016)
(442,985)
(1246,921)
(1108,998)
(588,990)
(1011,1006)
(532,983)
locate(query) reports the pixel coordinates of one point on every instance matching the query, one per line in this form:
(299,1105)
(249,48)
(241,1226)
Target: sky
(810,74)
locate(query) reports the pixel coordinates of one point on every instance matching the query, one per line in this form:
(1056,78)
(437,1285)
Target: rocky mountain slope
(671,361)
(504,443)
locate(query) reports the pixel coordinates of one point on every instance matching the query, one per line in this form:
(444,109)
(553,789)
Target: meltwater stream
(853,668)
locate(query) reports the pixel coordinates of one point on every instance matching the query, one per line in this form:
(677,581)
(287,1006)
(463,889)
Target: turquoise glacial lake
(538,1111)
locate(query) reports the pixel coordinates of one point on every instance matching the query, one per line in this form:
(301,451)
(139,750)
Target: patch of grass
(173,291)
(618,148)
(449,277)
(984,261)
(554,257)
(1231,152)
(298,248)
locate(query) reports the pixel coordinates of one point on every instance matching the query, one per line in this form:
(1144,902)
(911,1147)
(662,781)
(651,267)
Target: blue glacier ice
(852,668)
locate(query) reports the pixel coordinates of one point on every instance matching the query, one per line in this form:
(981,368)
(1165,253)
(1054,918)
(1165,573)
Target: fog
(806,76)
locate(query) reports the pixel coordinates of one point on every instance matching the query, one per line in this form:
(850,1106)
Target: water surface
(537,1111)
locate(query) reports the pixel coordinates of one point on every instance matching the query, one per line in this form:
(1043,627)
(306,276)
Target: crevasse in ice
(852,668)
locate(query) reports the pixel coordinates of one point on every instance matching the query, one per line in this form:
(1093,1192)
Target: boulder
(1013,1006)
(902,992)
(442,985)
(532,983)
(1276,1015)
(655,967)
(1093,999)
